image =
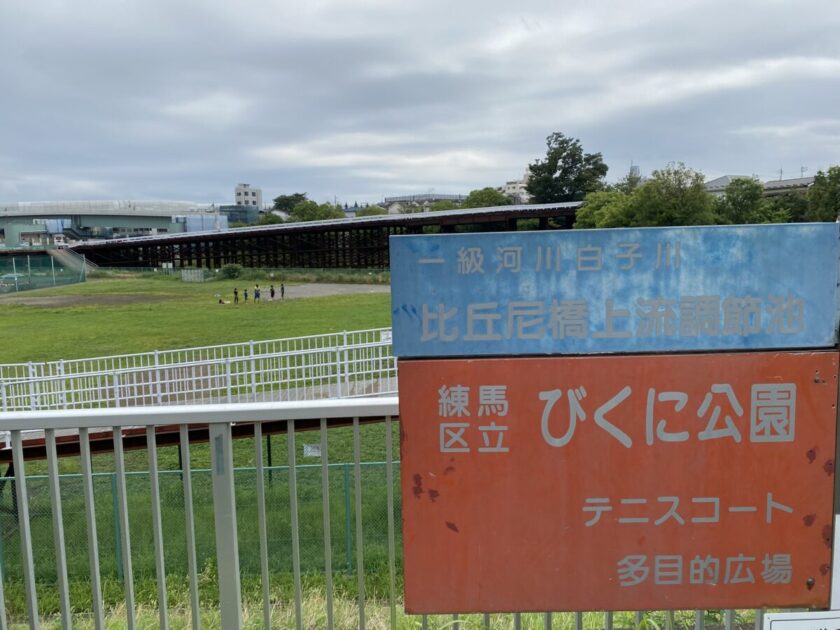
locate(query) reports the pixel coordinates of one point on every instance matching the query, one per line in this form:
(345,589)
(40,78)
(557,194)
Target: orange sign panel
(643,482)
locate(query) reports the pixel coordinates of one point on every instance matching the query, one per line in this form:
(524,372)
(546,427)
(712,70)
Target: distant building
(517,189)
(39,222)
(240,213)
(417,203)
(782,186)
(772,187)
(247,196)
(718,185)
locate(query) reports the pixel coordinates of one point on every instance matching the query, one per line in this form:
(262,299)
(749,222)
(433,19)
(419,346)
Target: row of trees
(674,195)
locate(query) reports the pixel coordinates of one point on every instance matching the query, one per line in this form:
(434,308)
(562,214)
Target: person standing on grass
(282,291)
(271,293)
(256,293)
(235,295)
(245,295)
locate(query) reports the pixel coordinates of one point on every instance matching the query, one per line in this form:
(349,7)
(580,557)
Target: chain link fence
(37,271)
(310,506)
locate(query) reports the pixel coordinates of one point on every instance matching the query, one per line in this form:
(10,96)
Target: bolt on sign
(622,290)
(639,481)
(675,481)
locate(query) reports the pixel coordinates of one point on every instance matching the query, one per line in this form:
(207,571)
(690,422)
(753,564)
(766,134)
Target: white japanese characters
(687,316)
(675,570)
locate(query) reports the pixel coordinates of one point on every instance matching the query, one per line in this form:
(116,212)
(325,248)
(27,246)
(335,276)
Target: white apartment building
(247,196)
(516,190)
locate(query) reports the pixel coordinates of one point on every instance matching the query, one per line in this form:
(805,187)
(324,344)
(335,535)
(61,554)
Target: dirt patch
(292,292)
(60,301)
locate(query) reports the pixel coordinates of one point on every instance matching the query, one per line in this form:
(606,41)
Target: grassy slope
(175,314)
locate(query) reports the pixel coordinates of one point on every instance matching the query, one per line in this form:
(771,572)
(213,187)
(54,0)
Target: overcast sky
(359,99)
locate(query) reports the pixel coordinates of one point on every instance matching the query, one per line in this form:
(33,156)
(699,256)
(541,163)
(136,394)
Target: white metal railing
(337,365)
(226,505)
(220,419)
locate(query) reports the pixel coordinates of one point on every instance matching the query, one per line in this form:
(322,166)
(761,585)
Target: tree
(603,209)
(824,196)
(443,204)
(566,173)
(672,196)
(629,183)
(371,211)
(793,204)
(743,202)
(268,218)
(285,203)
(308,210)
(485,198)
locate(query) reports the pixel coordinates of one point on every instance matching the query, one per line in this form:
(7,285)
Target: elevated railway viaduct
(341,243)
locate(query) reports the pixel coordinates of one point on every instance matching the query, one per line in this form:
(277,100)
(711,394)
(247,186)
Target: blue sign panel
(620,290)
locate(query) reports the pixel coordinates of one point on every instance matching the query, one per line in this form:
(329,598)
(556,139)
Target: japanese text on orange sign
(594,470)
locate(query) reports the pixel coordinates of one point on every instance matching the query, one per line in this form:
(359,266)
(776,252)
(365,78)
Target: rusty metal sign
(618,482)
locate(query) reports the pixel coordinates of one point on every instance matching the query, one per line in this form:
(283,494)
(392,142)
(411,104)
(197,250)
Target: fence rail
(338,365)
(144,545)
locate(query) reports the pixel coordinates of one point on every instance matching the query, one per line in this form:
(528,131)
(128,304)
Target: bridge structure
(341,243)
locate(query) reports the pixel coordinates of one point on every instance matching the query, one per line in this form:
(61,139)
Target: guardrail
(338,365)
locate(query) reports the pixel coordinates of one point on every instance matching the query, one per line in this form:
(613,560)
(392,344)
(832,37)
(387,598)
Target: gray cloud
(363,98)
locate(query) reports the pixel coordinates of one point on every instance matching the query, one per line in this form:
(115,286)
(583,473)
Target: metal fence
(341,479)
(26,272)
(337,365)
(291,527)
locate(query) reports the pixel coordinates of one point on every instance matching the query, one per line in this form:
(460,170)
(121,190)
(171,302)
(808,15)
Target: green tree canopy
(308,210)
(824,196)
(443,204)
(268,218)
(371,211)
(743,202)
(285,203)
(603,209)
(566,173)
(485,198)
(672,196)
(794,205)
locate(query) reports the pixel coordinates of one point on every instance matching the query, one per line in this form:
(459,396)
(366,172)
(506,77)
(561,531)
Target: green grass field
(128,313)
(124,314)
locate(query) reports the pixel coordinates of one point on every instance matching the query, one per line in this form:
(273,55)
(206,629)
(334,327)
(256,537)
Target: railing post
(63,397)
(117,533)
(157,378)
(3,393)
(346,366)
(224,510)
(253,372)
(229,381)
(52,266)
(33,399)
(338,372)
(115,377)
(348,529)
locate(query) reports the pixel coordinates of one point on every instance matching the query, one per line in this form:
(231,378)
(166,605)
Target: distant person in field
(235,295)
(256,293)
(282,291)
(271,293)
(245,295)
